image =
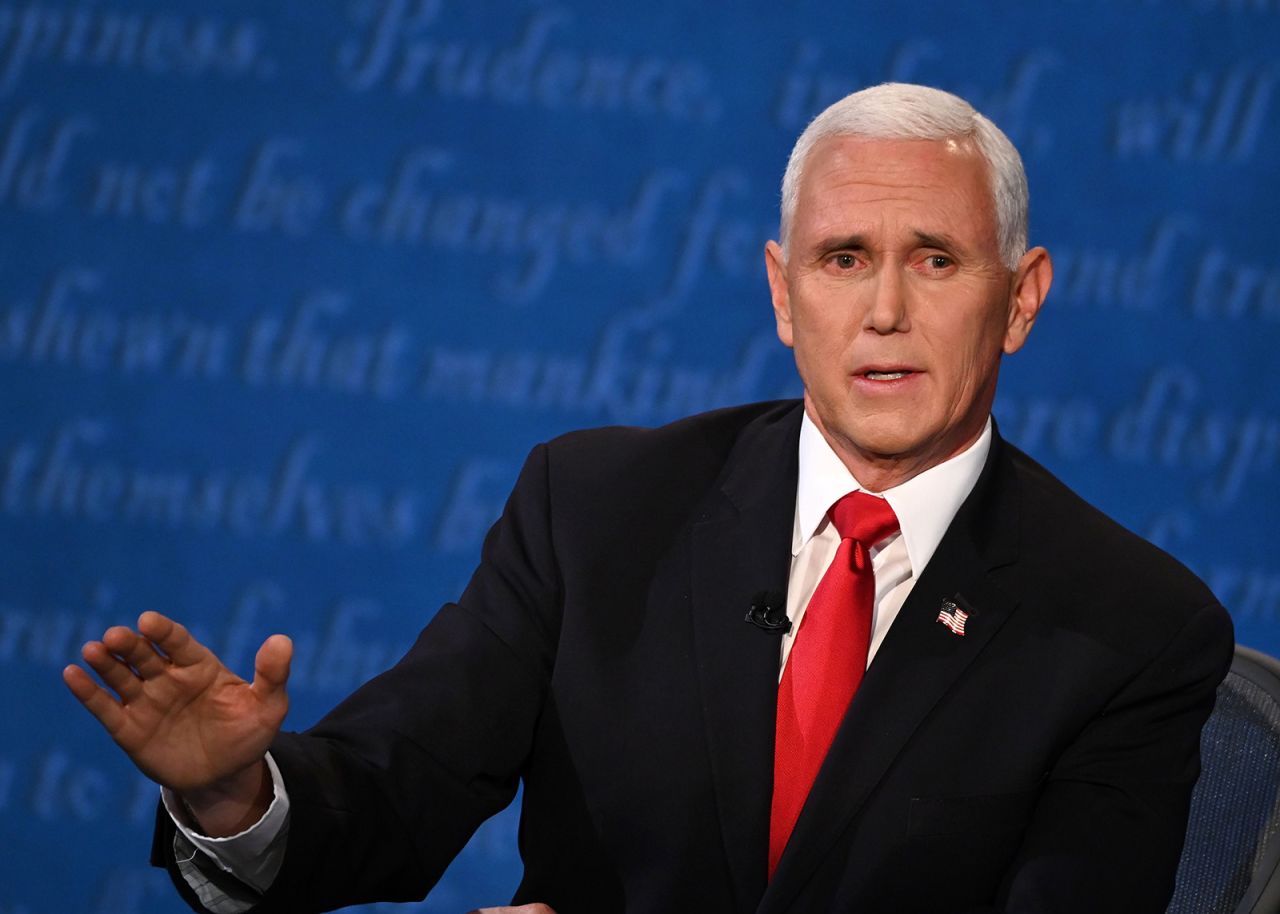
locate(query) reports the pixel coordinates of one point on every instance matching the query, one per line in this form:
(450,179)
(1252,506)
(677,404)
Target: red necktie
(827,660)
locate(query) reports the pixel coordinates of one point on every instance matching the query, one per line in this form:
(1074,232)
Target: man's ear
(1031,284)
(775,264)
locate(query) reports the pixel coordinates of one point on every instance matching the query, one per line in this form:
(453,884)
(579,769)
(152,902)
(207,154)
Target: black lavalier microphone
(769,612)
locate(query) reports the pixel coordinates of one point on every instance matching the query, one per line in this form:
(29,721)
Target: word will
(1217,118)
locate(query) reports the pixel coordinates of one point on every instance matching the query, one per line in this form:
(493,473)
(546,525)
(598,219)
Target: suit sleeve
(1108,828)
(391,784)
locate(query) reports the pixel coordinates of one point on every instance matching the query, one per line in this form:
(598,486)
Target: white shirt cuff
(255,855)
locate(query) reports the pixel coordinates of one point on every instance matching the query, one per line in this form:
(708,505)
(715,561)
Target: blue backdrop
(288,290)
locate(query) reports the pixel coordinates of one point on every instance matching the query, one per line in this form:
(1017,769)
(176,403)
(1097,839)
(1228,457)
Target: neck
(879,472)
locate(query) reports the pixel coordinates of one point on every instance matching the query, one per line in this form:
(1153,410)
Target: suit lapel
(741,546)
(914,668)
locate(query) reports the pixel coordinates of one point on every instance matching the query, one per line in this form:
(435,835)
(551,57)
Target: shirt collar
(925,504)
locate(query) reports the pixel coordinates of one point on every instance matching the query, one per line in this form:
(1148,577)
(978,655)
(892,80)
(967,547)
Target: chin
(890,448)
(886,443)
(888,433)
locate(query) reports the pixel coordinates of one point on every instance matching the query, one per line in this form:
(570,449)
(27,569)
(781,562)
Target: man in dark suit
(1024,737)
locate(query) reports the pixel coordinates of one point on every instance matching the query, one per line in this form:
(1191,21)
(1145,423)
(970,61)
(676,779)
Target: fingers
(124,658)
(100,704)
(134,650)
(114,671)
(172,638)
(271,666)
(523,909)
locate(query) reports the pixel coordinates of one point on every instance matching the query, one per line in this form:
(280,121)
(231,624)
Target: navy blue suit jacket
(1042,762)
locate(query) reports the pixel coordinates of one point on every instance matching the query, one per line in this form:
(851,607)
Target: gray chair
(1231,861)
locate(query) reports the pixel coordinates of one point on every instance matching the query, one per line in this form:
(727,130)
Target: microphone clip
(768,612)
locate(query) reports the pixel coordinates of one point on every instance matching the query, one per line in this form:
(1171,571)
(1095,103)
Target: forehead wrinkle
(838,233)
(938,197)
(897,217)
(906,201)
(840,168)
(892,190)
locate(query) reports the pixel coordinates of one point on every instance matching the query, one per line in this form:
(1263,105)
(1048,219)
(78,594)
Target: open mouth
(886,375)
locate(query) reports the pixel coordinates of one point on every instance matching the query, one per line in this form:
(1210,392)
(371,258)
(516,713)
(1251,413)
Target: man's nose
(887,311)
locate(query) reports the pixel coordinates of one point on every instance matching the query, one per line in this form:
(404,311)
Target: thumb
(271,667)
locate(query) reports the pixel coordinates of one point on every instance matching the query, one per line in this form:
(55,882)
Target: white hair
(902,111)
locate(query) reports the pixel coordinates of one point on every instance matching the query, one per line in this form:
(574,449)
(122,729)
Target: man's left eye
(937,261)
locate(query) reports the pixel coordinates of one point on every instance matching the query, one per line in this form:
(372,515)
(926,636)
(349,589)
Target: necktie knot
(864,518)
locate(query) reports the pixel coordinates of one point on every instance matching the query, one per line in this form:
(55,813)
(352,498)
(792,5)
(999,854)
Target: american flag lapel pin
(953,617)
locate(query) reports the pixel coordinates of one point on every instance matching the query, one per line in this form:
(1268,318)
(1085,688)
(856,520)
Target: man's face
(894,297)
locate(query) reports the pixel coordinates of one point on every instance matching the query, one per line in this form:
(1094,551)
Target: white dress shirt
(925,506)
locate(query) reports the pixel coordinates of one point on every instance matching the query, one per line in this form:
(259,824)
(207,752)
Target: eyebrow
(942,241)
(858,242)
(841,243)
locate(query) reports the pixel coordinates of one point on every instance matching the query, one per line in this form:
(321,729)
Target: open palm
(184,719)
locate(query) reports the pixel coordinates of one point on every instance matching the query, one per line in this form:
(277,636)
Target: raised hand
(185,720)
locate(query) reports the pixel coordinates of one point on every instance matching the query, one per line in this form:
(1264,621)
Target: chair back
(1231,860)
